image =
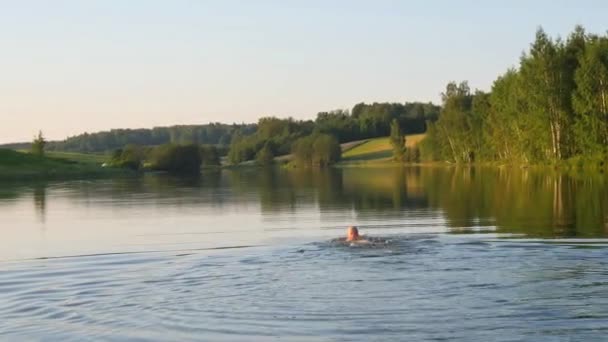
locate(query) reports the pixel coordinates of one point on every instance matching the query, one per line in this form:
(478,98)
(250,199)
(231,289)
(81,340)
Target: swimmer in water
(352,234)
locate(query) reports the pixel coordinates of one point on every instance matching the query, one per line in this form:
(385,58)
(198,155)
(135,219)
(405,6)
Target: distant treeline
(552,107)
(276,136)
(210,134)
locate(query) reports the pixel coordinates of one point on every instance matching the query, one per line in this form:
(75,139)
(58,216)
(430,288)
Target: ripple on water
(398,287)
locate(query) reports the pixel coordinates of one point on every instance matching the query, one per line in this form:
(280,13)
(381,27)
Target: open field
(377,149)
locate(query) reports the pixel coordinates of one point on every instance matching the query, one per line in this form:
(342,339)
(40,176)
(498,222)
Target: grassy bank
(16,165)
(86,158)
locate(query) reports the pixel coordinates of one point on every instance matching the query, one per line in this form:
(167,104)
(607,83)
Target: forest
(552,107)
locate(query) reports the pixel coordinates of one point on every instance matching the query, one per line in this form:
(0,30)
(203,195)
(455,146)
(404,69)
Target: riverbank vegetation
(172,158)
(551,109)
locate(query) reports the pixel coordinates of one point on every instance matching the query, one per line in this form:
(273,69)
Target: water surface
(469,255)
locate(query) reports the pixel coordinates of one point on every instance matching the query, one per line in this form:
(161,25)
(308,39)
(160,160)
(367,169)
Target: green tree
(591,98)
(397,140)
(454,126)
(506,124)
(302,151)
(326,150)
(265,156)
(547,79)
(38,144)
(317,150)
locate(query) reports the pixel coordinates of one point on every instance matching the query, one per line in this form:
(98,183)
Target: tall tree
(454,125)
(591,97)
(397,140)
(547,80)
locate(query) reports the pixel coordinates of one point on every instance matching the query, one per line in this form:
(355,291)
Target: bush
(131,157)
(181,159)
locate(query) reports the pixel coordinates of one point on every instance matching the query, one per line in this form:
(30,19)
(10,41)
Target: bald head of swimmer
(352,234)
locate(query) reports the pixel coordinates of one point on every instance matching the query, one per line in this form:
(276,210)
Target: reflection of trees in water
(9,190)
(14,190)
(388,190)
(563,200)
(531,201)
(535,202)
(373,189)
(148,190)
(40,201)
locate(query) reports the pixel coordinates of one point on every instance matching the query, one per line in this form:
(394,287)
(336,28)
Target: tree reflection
(517,201)
(40,201)
(535,202)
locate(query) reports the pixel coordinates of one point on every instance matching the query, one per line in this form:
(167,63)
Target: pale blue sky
(72,66)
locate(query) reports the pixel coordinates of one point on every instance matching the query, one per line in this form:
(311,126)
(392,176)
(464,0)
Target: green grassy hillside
(20,165)
(376,150)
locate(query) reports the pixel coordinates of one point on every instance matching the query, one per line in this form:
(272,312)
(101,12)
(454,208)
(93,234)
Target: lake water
(467,255)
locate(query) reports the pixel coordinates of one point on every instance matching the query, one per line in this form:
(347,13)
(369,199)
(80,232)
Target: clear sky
(67,67)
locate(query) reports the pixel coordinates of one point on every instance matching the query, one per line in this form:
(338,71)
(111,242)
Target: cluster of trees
(552,107)
(173,158)
(318,150)
(374,120)
(275,136)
